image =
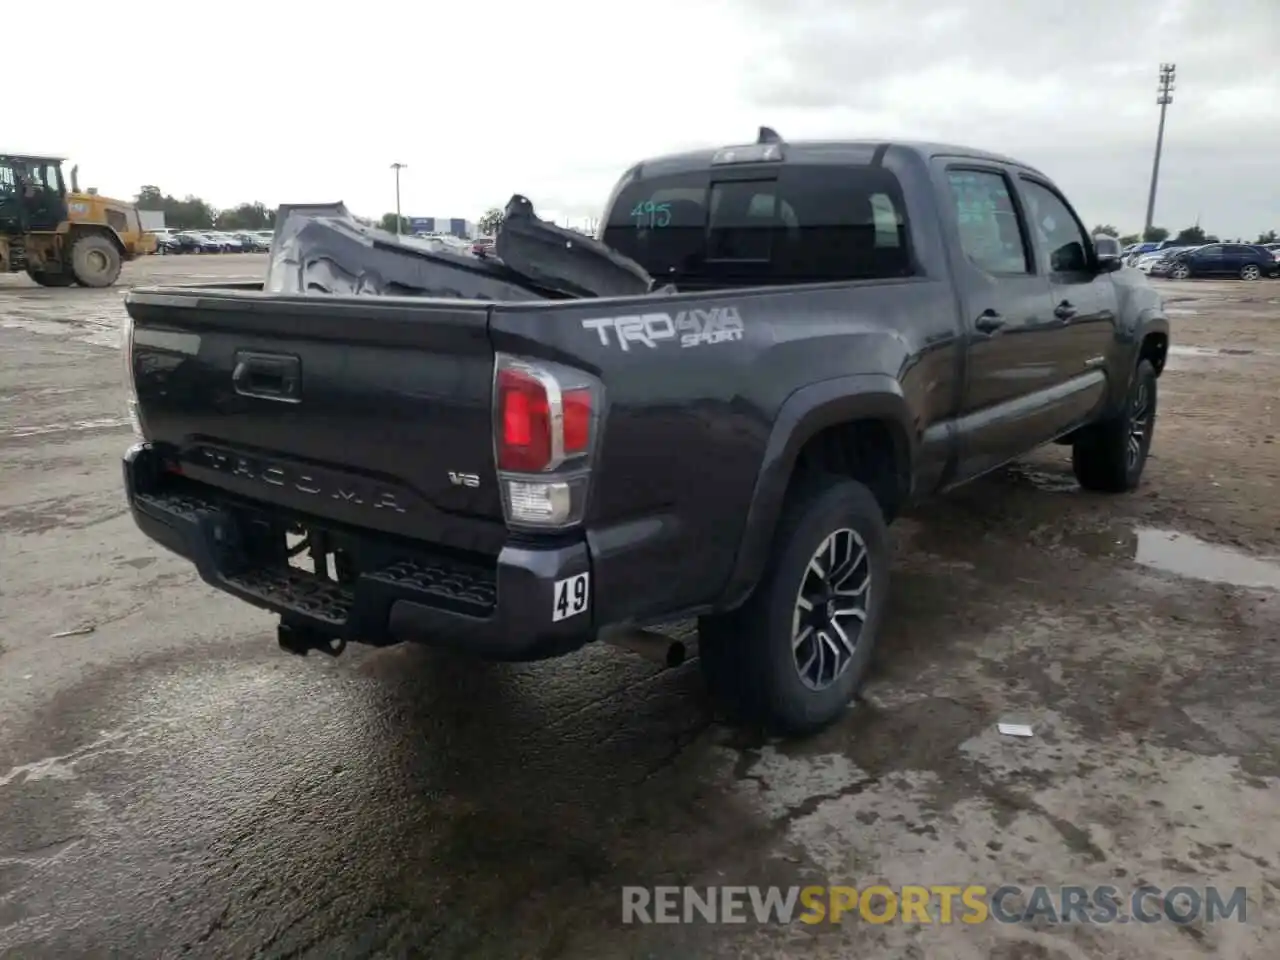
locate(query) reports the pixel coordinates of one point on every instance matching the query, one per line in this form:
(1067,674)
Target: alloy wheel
(831,608)
(1139,423)
(1250,272)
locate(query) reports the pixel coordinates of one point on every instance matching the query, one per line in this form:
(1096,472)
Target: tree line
(1188,236)
(193,213)
(487,225)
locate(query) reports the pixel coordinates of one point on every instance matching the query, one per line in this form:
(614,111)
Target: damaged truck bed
(321,248)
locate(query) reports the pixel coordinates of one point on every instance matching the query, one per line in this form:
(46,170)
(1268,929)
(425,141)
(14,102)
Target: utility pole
(397,167)
(1164,98)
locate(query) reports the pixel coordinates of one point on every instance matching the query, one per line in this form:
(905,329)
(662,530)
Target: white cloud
(286,101)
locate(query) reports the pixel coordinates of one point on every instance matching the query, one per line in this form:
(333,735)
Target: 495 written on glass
(650,214)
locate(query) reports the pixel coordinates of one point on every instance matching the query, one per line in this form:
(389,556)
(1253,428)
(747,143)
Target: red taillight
(525,441)
(576,405)
(527,437)
(546,416)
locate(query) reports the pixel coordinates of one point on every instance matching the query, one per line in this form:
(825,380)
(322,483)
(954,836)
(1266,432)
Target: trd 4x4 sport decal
(693,328)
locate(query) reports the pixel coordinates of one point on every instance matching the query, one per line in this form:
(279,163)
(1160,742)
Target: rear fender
(804,414)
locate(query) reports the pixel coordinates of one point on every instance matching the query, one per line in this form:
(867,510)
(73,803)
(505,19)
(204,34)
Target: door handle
(1064,310)
(267,376)
(989,323)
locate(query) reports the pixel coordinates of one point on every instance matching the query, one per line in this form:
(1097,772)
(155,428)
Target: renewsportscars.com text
(971,904)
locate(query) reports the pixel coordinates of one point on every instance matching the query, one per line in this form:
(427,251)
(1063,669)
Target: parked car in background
(166,240)
(1133,252)
(1273,249)
(252,242)
(482,247)
(1146,261)
(1244,260)
(195,241)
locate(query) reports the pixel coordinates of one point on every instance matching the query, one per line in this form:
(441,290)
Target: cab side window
(990,234)
(1061,241)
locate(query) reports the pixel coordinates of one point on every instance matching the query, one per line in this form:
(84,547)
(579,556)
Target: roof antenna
(768,135)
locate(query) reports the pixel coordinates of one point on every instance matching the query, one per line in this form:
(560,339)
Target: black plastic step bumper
(498,609)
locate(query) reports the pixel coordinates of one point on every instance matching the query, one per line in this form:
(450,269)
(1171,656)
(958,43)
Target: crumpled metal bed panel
(564,260)
(321,248)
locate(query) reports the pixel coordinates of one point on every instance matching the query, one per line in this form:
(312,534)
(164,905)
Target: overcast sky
(284,101)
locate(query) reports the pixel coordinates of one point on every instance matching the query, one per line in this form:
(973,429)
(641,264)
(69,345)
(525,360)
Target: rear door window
(793,224)
(991,234)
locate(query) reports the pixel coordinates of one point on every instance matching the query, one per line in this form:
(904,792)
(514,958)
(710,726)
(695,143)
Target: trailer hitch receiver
(300,640)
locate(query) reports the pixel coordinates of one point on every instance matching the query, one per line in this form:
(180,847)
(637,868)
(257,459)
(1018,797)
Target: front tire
(1180,272)
(796,653)
(1108,457)
(95,261)
(49,279)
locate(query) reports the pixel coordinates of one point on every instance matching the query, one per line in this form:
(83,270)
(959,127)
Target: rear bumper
(496,610)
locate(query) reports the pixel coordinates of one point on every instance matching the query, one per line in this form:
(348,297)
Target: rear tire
(796,653)
(49,279)
(95,261)
(1109,457)
(1250,271)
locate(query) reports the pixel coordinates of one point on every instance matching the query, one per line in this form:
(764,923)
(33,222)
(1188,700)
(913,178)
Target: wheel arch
(859,426)
(79,230)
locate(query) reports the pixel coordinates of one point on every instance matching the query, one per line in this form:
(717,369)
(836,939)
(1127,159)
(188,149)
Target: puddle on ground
(96,332)
(1025,475)
(1187,556)
(1180,350)
(1182,356)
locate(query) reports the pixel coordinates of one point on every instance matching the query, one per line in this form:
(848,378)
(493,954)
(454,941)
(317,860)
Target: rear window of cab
(797,223)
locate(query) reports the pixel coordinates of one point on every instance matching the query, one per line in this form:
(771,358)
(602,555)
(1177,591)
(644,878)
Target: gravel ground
(171,784)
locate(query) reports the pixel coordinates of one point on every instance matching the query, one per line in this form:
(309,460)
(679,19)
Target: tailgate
(373,412)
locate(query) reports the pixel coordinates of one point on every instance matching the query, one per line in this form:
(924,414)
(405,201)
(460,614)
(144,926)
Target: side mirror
(1108,251)
(1069,258)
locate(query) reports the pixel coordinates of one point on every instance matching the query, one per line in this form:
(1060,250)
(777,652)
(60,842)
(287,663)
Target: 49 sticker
(571,597)
(693,328)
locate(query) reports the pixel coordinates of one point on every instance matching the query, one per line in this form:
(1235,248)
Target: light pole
(1164,97)
(397,167)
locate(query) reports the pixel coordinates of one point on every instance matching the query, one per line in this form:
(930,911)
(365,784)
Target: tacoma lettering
(352,491)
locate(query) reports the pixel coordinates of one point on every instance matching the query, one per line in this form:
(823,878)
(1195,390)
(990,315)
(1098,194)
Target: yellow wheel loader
(62,237)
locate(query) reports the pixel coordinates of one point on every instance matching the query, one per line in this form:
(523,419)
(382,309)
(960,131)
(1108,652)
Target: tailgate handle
(268,376)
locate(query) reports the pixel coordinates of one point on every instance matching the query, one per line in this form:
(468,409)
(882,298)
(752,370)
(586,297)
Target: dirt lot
(171,784)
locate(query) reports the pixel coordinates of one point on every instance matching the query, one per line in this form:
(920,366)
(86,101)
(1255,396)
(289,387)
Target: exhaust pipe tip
(654,647)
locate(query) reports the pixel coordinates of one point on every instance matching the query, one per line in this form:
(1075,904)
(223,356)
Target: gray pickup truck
(816,335)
